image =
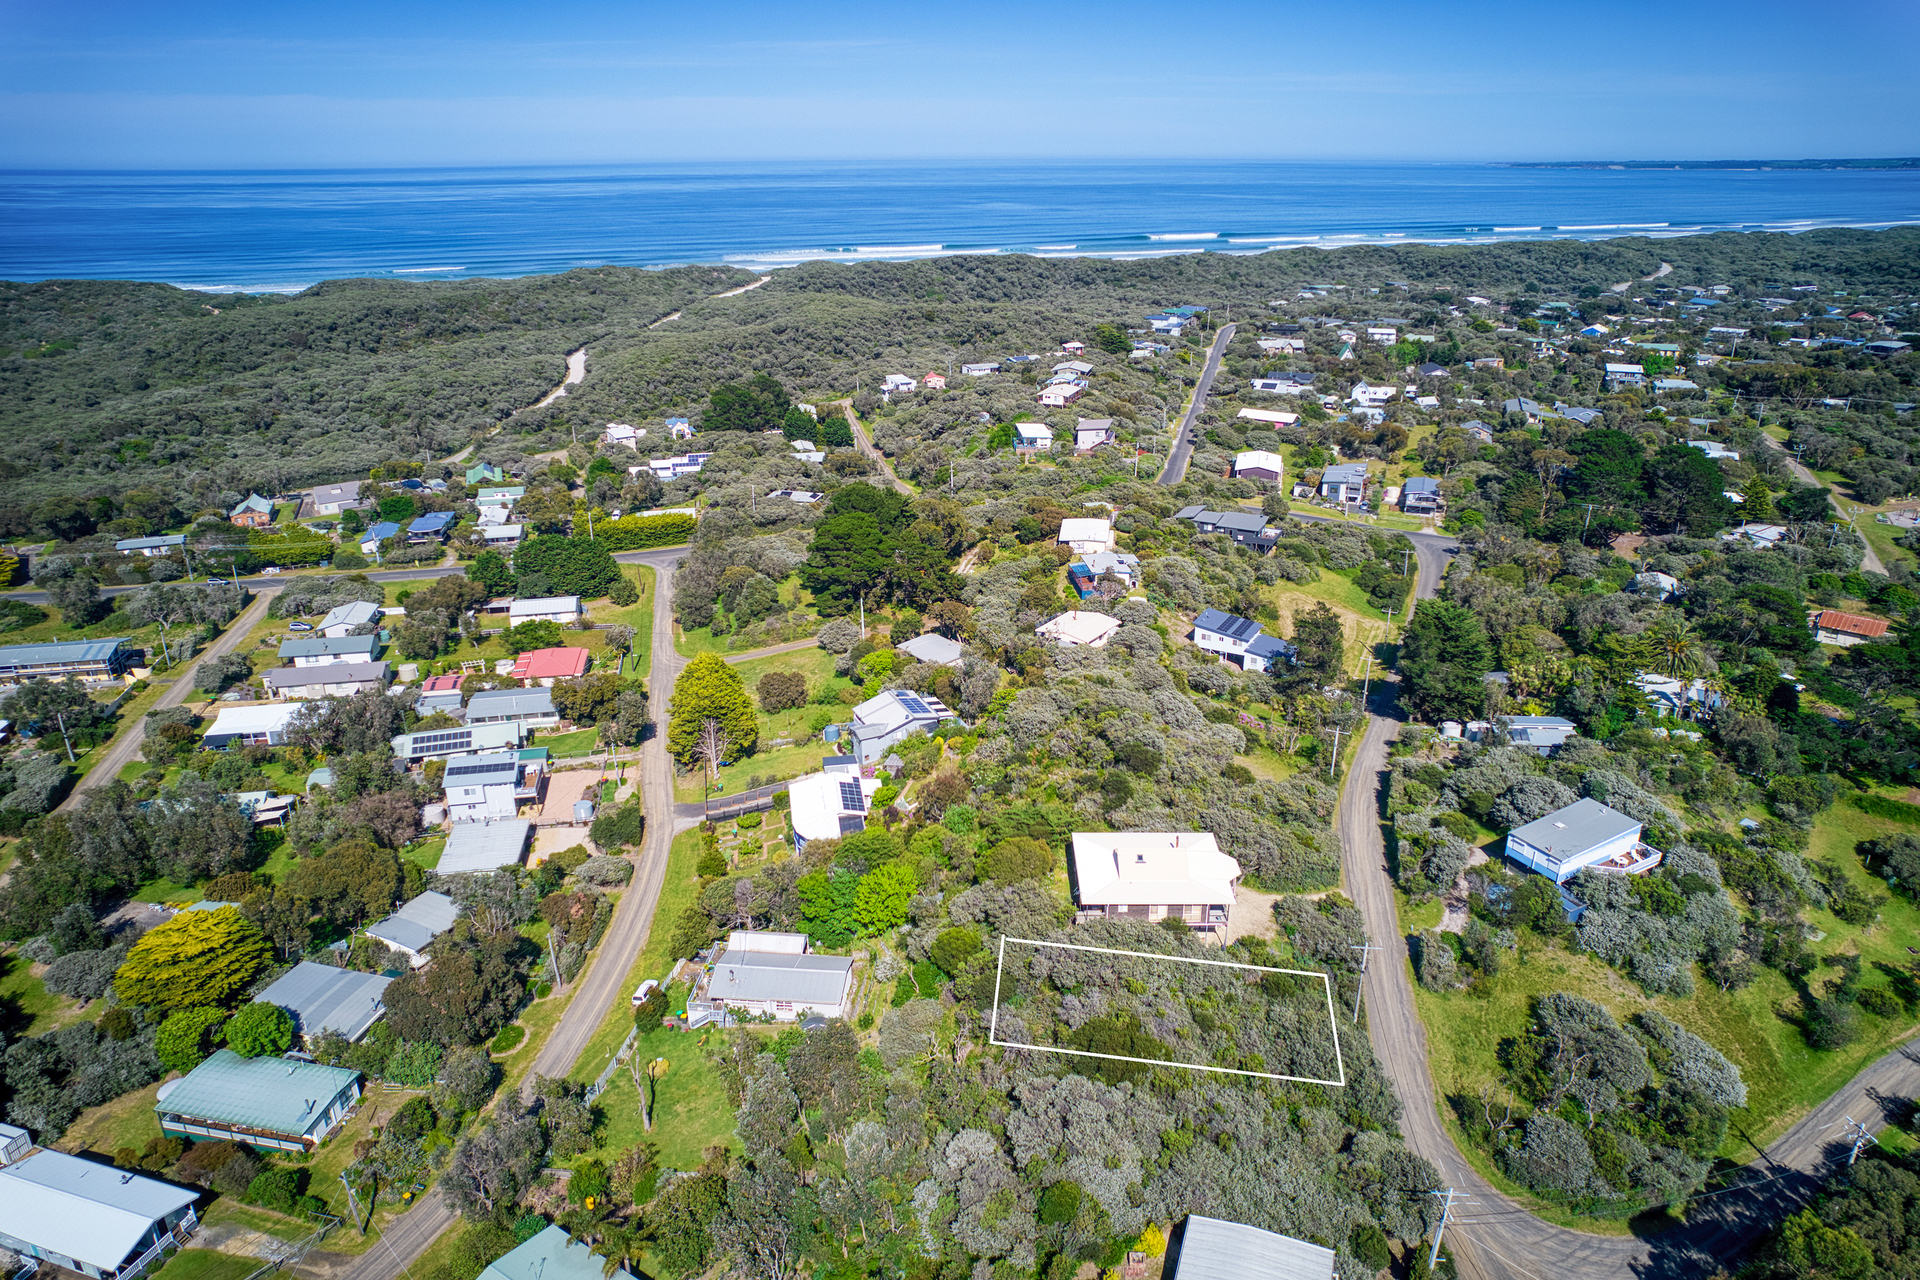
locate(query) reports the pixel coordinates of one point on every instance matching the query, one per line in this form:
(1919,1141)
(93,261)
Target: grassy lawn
(425,854)
(1361,624)
(1881,538)
(566,745)
(639,616)
(785,762)
(127,1121)
(539,1019)
(691,644)
(26,1006)
(208,1264)
(1753,1027)
(677,892)
(690,1104)
(229,1212)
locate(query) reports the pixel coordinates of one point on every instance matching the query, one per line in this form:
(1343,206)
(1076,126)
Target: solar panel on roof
(913,704)
(851,799)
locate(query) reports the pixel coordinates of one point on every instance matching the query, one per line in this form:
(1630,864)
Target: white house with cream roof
(1151,875)
(1086,534)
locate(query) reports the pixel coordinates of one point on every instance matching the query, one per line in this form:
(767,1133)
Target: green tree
(540,633)
(1444,660)
(850,555)
(1757,500)
(1112,339)
(826,907)
(197,958)
(1811,1249)
(1685,490)
(569,566)
(1018,858)
(881,897)
(188,1036)
(590,699)
(1321,643)
(710,688)
(491,571)
(782,690)
(758,405)
(258,1030)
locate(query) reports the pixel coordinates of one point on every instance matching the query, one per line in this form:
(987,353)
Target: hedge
(1886,807)
(638,533)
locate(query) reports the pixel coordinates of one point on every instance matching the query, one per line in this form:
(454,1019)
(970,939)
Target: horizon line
(1855,162)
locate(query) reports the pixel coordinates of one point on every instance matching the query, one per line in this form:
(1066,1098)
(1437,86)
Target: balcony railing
(1636,861)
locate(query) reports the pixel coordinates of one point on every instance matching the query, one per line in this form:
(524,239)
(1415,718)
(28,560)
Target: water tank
(830,734)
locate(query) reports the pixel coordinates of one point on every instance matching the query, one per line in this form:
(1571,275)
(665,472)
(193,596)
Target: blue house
(431,527)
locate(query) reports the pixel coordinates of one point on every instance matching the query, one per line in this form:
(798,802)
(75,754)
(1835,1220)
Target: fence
(599,1086)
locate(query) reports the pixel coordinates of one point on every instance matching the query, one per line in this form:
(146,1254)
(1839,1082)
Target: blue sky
(227,85)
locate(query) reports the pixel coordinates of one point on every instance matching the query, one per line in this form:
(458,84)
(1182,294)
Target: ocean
(284,231)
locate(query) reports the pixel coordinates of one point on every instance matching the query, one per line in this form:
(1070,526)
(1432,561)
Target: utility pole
(559,978)
(354,1205)
(1366,951)
(1334,759)
(1366,682)
(1446,1214)
(61,717)
(1860,1138)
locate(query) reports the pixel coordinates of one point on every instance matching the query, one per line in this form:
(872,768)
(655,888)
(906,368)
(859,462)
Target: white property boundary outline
(993,1028)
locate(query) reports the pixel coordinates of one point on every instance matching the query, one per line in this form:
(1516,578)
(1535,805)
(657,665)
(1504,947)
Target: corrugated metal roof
(328,646)
(509,702)
(551,1255)
(323,998)
(484,846)
(764,975)
(32,655)
(331,673)
(1213,1249)
(419,922)
(350,614)
(1579,828)
(90,1212)
(275,1094)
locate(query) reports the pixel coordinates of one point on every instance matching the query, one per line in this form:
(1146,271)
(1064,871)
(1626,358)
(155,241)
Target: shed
(321,998)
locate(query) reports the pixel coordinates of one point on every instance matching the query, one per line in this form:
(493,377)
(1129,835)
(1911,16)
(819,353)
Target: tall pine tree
(710,688)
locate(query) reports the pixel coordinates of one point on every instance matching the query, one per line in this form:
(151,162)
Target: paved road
(604,982)
(1870,559)
(121,752)
(1176,469)
(1494,1238)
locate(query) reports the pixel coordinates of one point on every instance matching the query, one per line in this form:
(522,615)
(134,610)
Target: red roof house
(442,683)
(548,665)
(1835,627)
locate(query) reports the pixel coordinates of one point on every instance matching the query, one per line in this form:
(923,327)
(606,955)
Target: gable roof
(255,503)
(932,647)
(484,846)
(91,1212)
(415,925)
(541,664)
(1230,625)
(774,975)
(550,1255)
(326,673)
(1852,624)
(1214,1249)
(329,646)
(432,522)
(350,614)
(323,998)
(278,1095)
(1345,473)
(380,532)
(1421,484)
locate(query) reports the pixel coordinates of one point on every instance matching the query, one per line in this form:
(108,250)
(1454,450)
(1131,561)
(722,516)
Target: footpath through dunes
(1491,1236)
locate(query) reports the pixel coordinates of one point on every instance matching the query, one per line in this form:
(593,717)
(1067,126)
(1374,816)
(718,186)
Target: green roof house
(551,1256)
(484,473)
(276,1103)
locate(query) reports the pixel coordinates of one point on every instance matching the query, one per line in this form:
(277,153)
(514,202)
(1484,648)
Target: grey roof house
(343,618)
(935,648)
(780,983)
(532,707)
(551,1255)
(89,1216)
(485,846)
(328,680)
(1584,834)
(314,651)
(412,929)
(1214,1249)
(321,998)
